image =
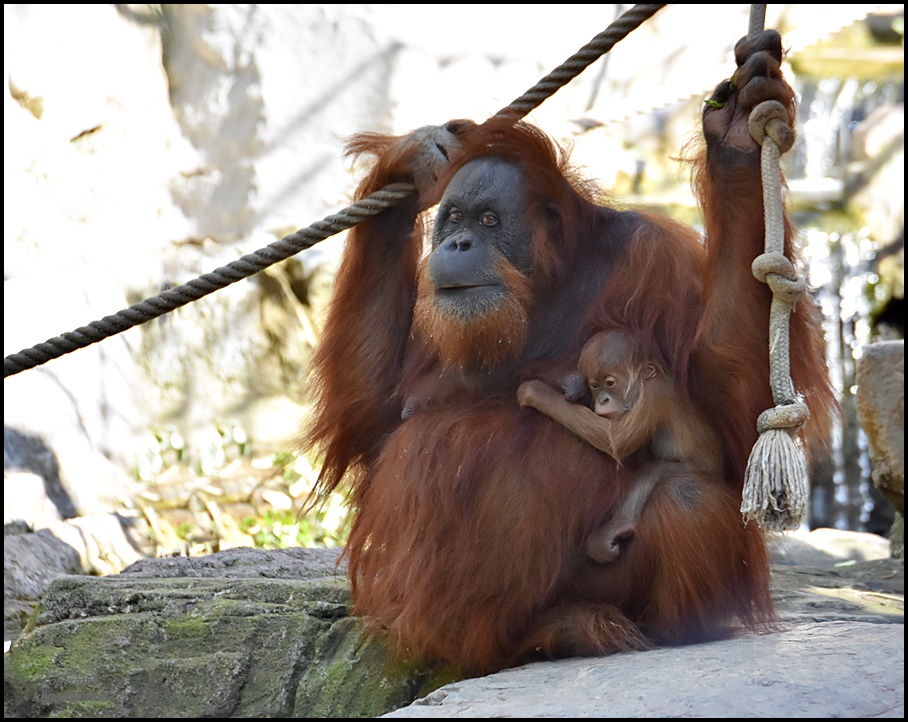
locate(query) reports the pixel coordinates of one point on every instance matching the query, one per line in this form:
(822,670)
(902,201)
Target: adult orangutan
(635,415)
(471,514)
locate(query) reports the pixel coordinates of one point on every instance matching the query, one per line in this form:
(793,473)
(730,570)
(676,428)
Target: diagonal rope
(579,61)
(374,204)
(205,284)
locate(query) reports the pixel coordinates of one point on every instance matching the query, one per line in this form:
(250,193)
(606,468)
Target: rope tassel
(775,481)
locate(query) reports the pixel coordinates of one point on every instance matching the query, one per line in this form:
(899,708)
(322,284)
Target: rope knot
(783,416)
(776,271)
(771,118)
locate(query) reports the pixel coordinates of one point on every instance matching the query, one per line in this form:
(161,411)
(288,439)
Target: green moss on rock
(208,647)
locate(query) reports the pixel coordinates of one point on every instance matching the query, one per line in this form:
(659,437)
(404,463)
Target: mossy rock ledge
(240,633)
(251,633)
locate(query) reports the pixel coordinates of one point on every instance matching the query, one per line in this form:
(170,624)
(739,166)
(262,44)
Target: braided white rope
(776,483)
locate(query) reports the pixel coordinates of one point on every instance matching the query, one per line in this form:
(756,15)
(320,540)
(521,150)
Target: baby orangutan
(634,407)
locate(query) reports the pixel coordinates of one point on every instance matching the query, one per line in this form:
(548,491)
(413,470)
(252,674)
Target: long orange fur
(470,517)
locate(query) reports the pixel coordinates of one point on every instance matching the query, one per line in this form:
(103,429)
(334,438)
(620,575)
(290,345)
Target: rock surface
(241,633)
(251,633)
(809,671)
(840,653)
(881,408)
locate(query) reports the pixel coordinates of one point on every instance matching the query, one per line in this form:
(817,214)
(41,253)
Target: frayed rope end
(775,482)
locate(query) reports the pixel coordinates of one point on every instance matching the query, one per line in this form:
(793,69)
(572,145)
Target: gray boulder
(242,633)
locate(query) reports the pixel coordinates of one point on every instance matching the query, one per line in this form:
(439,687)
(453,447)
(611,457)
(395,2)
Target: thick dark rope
(579,61)
(302,239)
(205,284)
